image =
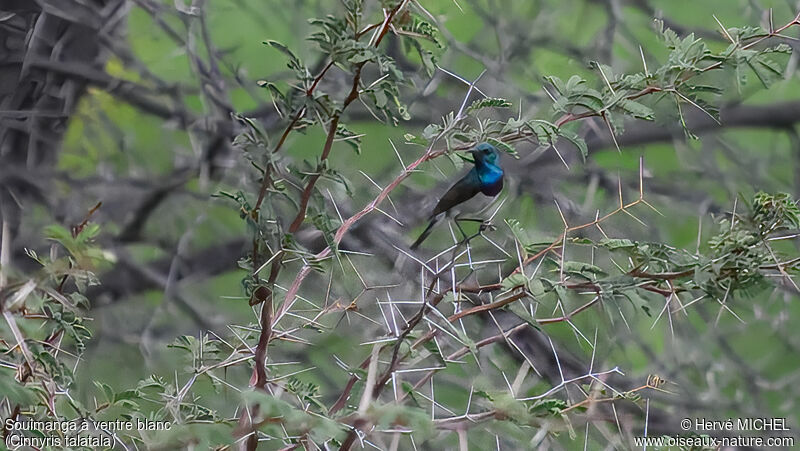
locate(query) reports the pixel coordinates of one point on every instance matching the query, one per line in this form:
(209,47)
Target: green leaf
(589,99)
(349,137)
(574,83)
(282,48)
(537,287)
(380,98)
(58,233)
(636,109)
(546,132)
(514,281)
(414,418)
(696,89)
(426,30)
(13,391)
(489,102)
(362,57)
(293,418)
(519,309)
(614,243)
(108,392)
(513,409)
(576,140)
(606,72)
(127,395)
(558,84)
(747,32)
(278,98)
(294,62)
(519,233)
(412,139)
(547,407)
(582,268)
(508,148)
(431,131)
(767,71)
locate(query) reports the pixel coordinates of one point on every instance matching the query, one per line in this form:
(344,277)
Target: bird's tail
(426,232)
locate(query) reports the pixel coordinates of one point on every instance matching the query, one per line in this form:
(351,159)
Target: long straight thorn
(724,30)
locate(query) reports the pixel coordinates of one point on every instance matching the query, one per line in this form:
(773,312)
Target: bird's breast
(491,180)
(492,189)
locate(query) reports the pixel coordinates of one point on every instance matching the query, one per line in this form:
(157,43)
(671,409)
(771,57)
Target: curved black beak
(475,154)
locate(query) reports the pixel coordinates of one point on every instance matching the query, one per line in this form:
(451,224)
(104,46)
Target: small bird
(486,177)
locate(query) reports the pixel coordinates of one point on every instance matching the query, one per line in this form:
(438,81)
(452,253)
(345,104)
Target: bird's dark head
(485,153)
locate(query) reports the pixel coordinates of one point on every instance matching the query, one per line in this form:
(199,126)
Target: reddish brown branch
(260,377)
(309,189)
(265,183)
(351,97)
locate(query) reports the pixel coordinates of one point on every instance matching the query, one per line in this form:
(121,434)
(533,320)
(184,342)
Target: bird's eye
(486,151)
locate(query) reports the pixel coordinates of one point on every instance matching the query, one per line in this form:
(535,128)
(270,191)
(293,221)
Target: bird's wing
(463,190)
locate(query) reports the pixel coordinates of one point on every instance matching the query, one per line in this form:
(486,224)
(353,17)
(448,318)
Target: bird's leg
(485,224)
(481,227)
(458,225)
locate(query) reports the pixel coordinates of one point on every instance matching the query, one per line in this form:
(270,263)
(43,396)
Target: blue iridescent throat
(490,176)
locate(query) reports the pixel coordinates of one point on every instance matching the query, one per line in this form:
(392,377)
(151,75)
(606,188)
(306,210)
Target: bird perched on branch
(485,177)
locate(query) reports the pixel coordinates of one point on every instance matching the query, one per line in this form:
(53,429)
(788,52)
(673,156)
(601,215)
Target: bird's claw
(487,225)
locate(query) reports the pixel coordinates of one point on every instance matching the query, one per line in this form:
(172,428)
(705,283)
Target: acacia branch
(351,97)
(520,135)
(267,322)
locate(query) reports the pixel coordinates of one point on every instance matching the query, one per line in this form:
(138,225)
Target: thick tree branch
(779,116)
